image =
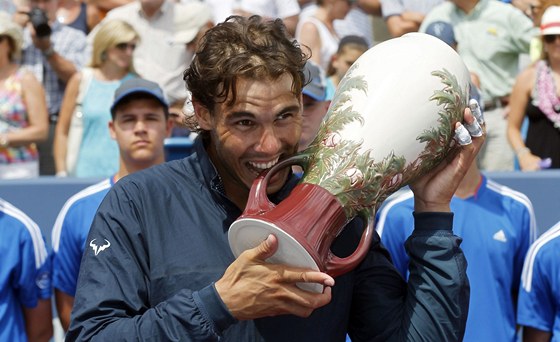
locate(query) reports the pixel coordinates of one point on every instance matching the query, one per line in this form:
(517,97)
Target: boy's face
(140,128)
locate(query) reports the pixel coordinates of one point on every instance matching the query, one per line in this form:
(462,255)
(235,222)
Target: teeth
(264,166)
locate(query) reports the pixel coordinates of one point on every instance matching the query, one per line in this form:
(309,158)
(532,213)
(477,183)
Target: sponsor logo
(500,236)
(97,248)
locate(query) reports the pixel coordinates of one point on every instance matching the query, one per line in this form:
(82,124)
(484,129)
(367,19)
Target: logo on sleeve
(96,248)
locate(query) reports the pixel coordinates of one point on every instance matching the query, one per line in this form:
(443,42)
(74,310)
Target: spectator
(191,22)
(534,96)
(139,124)
(23,111)
(349,50)
(287,10)
(491,36)
(53,58)
(539,306)
(76,14)
(156,58)
(111,64)
(25,279)
(358,22)
(403,16)
(497,225)
(316,32)
(169,271)
(315,102)
(98,9)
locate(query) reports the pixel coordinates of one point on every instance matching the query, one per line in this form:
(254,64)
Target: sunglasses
(550,38)
(125,46)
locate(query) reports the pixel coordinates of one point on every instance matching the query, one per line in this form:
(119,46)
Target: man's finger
(462,135)
(476,111)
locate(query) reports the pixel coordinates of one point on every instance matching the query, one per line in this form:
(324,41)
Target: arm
(535,335)
(38,321)
(64,303)
(34,99)
(518,101)
(309,37)
(63,67)
(63,124)
(291,23)
(372,7)
(404,23)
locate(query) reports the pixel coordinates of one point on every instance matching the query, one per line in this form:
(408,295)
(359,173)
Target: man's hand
(433,191)
(252,288)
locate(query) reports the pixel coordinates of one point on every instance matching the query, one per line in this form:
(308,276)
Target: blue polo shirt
(497,225)
(70,232)
(539,297)
(25,271)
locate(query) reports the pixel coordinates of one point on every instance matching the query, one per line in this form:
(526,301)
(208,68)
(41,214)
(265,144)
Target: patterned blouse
(13,116)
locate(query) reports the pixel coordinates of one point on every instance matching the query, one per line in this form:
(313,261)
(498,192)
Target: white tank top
(329,41)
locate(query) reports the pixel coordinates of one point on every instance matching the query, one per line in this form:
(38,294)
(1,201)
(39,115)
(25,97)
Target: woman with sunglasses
(536,95)
(111,63)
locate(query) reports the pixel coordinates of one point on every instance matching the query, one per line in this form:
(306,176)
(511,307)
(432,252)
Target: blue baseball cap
(138,86)
(443,31)
(315,82)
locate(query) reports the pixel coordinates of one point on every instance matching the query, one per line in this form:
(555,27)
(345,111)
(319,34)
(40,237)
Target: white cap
(189,19)
(550,21)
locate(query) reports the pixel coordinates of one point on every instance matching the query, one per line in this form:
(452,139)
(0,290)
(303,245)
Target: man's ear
(203,116)
(112,130)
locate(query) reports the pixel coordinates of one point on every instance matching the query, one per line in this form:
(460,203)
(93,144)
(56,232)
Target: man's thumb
(267,248)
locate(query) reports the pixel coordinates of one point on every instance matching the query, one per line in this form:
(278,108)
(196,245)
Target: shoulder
(23,227)
(543,251)
(125,11)
(509,196)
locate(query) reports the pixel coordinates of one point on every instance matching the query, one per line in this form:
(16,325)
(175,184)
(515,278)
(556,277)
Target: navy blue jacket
(167,228)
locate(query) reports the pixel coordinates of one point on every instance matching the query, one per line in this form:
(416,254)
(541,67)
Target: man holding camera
(53,52)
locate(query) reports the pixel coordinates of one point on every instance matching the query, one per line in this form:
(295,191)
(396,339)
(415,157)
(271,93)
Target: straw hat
(12,30)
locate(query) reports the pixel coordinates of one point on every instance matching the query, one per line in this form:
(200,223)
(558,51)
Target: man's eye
(285,116)
(245,123)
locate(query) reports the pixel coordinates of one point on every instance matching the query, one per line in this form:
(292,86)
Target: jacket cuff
(212,306)
(433,221)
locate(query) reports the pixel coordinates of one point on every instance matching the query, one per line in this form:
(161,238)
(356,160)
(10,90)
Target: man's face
(262,127)
(313,113)
(140,128)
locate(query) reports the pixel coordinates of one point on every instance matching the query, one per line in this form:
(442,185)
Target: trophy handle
(337,266)
(258,202)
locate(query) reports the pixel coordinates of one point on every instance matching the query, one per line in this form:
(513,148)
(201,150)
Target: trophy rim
(247,233)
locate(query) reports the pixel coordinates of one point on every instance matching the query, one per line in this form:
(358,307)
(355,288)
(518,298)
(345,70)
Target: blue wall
(42,198)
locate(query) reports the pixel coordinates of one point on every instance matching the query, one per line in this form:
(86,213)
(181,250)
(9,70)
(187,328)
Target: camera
(40,22)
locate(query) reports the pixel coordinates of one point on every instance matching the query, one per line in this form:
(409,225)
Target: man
(404,16)
(25,279)
(539,306)
(315,102)
(53,58)
(140,122)
(491,37)
(497,225)
(169,273)
(156,57)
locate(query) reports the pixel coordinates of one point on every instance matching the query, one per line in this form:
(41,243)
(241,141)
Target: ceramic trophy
(391,120)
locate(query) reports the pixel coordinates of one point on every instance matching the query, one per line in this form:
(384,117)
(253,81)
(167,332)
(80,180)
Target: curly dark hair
(240,47)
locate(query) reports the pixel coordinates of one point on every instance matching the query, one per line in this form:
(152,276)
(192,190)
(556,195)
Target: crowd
(93,88)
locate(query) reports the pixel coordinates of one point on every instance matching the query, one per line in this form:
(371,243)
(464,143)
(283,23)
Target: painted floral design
(358,181)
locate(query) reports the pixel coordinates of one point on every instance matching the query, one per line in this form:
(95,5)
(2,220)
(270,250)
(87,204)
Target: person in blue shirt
(161,268)
(140,122)
(25,279)
(538,310)
(497,225)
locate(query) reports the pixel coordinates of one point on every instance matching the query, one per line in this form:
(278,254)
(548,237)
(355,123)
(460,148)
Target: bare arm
(518,101)
(34,99)
(291,23)
(38,321)
(404,23)
(64,303)
(535,335)
(372,7)
(309,37)
(63,124)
